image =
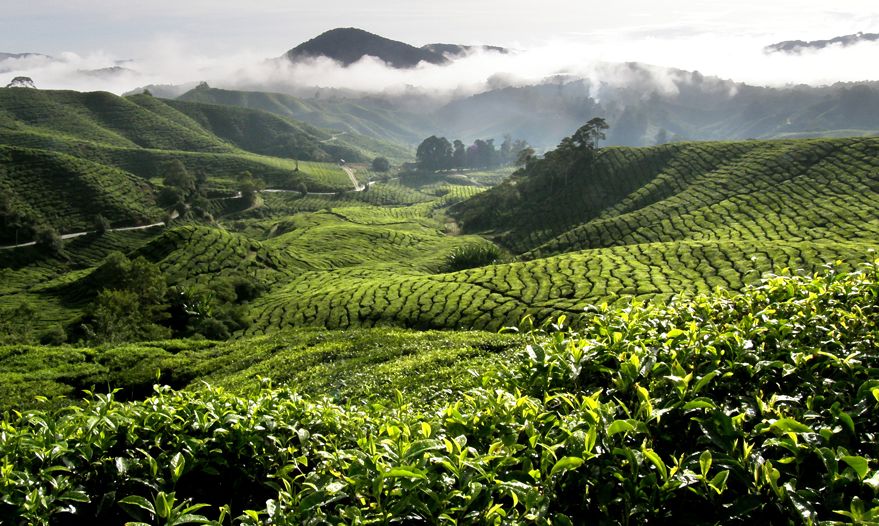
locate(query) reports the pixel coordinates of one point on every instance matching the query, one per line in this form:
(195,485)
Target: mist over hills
(640,111)
(799,46)
(348,45)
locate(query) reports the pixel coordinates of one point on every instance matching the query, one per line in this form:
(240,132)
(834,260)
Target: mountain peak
(350,44)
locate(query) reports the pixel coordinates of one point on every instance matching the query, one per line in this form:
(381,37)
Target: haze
(226,42)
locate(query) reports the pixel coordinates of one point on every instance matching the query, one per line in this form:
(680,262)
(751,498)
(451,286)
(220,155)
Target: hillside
(68,156)
(141,121)
(799,46)
(705,411)
(348,45)
(368,117)
(48,188)
(644,112)
(790,191)
(644,223)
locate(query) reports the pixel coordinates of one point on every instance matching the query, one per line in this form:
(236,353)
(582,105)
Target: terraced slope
(269,134)
(102,118)
(66,192)
(639,222)
(369,118)
(671,219)
(815,190)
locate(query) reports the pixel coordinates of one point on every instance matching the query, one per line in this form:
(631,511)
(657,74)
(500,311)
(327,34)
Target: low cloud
(740,58)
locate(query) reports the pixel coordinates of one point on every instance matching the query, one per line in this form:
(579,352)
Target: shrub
(380,164)
(471,256)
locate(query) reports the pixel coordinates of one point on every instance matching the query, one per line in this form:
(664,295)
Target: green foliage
(17,323)
(350,366)
(130,301)
(381,164)
(434,153)
(49,239)
(758,190)
(705,411)
(65,193)
(471,256)
(368,123)
(119,316)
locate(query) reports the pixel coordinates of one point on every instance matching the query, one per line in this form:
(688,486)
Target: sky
(172,39)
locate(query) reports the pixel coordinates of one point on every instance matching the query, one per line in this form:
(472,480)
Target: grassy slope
(364,117)
(139,135)
(772,190)
(677,218)
(67,192)
(348,365)
(703,412)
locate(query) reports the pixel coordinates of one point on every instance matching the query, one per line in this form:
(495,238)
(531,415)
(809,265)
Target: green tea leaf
(565,464)
(860,464)
(139,502)
(619,426)
(411,473)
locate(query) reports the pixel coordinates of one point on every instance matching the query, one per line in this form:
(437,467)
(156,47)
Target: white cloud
(741,58)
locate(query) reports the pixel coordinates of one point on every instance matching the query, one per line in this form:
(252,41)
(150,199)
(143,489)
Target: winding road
(357,188)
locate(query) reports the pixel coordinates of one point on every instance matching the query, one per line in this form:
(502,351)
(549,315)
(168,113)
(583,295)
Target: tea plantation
(674,346)
(705,411)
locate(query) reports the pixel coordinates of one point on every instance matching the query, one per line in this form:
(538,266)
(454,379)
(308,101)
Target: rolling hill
(369,117)
(348,45)
(67,156)
(141,121)
(640,223)
(799,46)
(67,192)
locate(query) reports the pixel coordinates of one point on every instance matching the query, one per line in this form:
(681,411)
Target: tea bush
(720,408)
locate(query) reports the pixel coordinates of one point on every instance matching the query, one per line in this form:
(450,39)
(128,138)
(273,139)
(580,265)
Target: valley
(241,306)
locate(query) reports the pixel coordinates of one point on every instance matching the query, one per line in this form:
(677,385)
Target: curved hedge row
(717,409)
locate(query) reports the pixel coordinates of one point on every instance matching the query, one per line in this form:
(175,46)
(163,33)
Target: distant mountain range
(348,45)
(4,56)
(798,46)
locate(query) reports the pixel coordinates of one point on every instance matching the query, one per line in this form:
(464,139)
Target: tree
(588,135)
(249,187)
(381,164)
(177,176)
(131,303)
(16,324)
(434,153)
(507,153)
(102,225)
(22,82)
(459,156)
(120,315)
(49,238)
(482,154)
(525,156)
(303,189)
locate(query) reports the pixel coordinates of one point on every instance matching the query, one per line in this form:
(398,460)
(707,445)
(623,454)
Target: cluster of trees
(134,302)
(437,153)
(18,226)
(187,194)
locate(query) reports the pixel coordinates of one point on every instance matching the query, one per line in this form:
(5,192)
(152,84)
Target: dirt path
(333,137)
(80,234)
(357,186)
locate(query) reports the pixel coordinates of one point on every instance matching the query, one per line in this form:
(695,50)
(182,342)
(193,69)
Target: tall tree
(434,153)
(459,156)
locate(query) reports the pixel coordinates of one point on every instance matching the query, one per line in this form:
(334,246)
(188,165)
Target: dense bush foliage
(470,256)
(737,409)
